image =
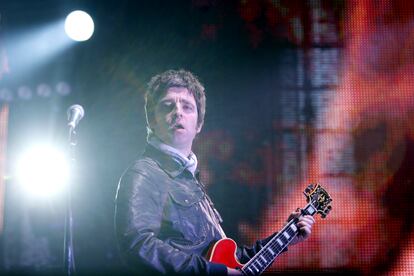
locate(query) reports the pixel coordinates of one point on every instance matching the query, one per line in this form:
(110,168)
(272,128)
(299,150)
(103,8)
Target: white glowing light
(43,171)
(79,26)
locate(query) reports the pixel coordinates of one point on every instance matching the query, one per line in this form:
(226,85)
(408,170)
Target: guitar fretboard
(275,246)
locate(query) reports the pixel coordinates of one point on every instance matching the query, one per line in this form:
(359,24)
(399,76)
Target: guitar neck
(265,257)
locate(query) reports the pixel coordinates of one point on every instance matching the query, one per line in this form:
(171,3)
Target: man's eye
(188,107)
(166,106)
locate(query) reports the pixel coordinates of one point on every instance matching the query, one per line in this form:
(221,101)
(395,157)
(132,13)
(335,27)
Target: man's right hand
(232,271)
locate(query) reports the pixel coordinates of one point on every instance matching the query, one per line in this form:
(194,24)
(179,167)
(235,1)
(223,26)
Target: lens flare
(43,171)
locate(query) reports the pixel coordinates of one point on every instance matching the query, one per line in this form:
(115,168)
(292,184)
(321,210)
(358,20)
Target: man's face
(176,119)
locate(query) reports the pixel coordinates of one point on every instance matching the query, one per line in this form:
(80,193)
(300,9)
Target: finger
(310,217)
(305,230)
(307,219)
(305,222)
(304,227)
(302,224)
(293,215)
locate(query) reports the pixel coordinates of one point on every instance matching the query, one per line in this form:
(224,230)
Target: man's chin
(180,142)
(177,140)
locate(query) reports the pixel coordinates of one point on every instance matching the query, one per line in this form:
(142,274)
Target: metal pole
(69,257)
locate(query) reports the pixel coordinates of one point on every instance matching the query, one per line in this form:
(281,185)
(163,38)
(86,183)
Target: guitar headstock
(319,198)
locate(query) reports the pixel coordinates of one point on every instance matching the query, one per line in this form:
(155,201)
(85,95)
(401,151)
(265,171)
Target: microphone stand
(69,257)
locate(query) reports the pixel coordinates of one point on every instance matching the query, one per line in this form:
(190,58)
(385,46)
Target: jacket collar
(166,162)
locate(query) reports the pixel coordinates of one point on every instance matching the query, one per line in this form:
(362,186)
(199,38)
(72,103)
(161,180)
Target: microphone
(75,114)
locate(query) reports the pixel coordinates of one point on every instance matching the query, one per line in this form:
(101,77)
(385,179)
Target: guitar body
(224,252)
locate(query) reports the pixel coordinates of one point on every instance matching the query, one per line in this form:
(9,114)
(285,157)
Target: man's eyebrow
(186,102)
(173,100)
(165,100)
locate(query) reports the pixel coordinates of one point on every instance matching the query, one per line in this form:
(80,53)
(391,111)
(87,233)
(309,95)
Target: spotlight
(43,171)
(24,92)
(6,95)
(79,26)
(63,88)
(44,90)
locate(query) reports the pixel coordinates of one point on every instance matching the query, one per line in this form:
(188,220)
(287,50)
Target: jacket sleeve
(138,218)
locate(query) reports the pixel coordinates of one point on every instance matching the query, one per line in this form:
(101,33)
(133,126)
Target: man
(165,221)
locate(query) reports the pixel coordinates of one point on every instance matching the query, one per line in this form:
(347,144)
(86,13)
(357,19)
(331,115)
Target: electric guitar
(224,251)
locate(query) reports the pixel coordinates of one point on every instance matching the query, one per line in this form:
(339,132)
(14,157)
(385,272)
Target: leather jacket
(161,225)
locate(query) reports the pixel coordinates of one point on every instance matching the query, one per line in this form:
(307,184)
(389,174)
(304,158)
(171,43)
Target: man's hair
(159,84)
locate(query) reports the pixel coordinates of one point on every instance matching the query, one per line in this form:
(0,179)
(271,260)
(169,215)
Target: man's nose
(178,110)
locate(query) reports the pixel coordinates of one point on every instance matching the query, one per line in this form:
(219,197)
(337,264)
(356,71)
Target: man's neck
(185,150)
(184,156)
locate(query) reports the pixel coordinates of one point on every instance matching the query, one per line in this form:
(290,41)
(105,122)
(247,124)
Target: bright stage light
(79,26)
(43,171)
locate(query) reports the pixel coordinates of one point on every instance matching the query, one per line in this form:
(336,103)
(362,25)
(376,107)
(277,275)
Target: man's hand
(304,225)
(232,271)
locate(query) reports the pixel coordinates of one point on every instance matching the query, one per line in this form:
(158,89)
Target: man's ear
(199,128)
(151,123)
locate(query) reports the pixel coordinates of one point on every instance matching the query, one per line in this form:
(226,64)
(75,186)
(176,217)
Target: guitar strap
(207,206)
(212,215)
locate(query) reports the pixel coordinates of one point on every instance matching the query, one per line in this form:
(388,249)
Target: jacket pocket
(186,198)
(189,219)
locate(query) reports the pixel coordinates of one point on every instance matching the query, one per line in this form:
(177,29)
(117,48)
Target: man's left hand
(304,225)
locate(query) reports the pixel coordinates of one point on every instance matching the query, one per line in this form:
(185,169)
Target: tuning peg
(309,189)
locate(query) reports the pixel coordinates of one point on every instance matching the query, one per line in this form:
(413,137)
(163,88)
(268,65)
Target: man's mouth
(177,126)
